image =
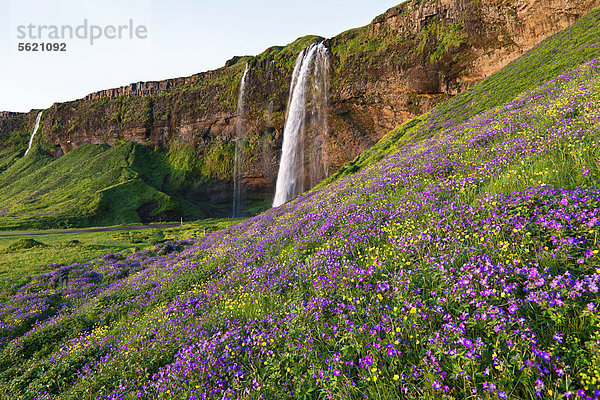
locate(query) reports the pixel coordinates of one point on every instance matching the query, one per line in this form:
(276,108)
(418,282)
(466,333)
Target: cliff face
(13,136)
(401,65)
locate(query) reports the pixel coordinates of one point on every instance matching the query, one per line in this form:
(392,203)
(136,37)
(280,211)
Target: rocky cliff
(401,65)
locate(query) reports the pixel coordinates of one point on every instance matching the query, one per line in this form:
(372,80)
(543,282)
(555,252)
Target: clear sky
(183,37)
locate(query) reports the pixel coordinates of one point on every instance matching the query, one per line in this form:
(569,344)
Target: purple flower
(585,171)
(557,337)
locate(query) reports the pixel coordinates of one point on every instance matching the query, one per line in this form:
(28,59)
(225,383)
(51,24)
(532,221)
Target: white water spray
(238,161)
(311,66)
(317,124)
(35,129)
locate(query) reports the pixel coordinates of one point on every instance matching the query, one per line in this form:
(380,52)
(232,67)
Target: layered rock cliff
(401,65)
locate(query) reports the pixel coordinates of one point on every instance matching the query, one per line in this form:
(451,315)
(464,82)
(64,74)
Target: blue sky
(184,37)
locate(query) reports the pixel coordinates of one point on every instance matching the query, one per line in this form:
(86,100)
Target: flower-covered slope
(463,265)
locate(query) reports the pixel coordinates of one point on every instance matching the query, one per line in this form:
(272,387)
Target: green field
(35,252)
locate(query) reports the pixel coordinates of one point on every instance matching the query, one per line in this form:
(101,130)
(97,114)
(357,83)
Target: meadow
(24,253)
(463,262)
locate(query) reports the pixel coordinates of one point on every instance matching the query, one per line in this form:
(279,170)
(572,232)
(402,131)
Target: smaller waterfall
(309,78)
(238,162)
(35,129)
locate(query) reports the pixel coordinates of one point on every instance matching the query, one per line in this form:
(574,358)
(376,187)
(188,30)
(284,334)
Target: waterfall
(317,124)
(308,92)
(35,129)
(238,163)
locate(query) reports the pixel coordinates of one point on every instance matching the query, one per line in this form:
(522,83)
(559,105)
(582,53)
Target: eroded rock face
(401,65)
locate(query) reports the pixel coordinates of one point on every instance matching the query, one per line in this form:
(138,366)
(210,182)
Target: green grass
(39,191)
(38,252)
(97,185)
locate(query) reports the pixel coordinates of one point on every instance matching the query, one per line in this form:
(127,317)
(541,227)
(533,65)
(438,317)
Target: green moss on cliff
(14,136)
(437,40)
(136,111)
(185,162)
(218,161)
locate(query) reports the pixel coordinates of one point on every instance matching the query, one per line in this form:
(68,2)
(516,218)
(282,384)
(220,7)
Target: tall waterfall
(35,129)
(307,107)
(238,163)
(317,124)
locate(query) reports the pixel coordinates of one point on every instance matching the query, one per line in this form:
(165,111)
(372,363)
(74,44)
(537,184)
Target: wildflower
(557,337)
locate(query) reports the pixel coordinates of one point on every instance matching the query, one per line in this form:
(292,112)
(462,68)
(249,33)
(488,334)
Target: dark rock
(168,248)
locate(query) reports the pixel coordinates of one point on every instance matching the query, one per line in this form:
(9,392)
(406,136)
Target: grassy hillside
(464,263)
(26,253)
(96,185)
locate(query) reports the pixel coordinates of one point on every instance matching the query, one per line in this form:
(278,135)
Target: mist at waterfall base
(238,161)
(306,115)
(35,129)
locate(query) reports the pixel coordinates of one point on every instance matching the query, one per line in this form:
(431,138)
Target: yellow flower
(396,377)
(413,310)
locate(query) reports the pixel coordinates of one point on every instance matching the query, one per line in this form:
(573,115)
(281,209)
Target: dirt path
(107,229)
